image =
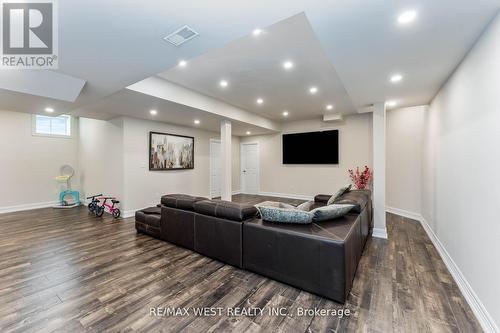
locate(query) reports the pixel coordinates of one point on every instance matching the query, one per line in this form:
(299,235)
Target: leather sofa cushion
(358,198)
(180,201)
(225,209)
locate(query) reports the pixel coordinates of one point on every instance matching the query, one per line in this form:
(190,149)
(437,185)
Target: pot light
(49,110)
(257,32)
(196,122)
(260,101)
(329,107)
(182,63)
(313,90)
(396,78)
(153,112)
(391,103)
(223,83)
(407,17)
(285,113)
(288,65)
(248,132)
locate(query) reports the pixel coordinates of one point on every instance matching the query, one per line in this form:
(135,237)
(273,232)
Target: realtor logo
(29,34)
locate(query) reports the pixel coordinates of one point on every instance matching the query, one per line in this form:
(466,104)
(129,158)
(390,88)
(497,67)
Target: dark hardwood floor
(66,271)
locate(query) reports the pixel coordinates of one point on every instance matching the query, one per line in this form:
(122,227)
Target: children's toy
(93,203)
(115,211)
(66,172)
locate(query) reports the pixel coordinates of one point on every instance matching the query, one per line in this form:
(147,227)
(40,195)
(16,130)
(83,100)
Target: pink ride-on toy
(115,211)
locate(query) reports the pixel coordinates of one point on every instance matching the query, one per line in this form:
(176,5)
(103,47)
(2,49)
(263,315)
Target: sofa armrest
(323,198)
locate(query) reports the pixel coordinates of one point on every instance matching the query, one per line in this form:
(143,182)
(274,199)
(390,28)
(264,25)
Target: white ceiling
(112,44)
(127,103)
(47,84)
(253,67)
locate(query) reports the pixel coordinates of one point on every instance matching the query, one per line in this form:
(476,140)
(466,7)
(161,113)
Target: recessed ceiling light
(196,122)
(329,107)
(391,103)
(313,90)
(407,17)
(260,101)
(153,112)
(396,78)
(248,132)
(288,65)
(182,63)
(49,110)
(257,32)
(223,83)
(285,113)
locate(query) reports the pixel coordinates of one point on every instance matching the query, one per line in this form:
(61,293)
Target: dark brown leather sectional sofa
(319,257)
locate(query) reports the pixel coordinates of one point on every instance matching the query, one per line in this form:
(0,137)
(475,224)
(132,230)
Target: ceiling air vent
(181,35)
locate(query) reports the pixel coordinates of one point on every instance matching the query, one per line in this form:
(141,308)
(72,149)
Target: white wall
(114,161)
(143,187)
(355,144)
(461,178)
(28,163)
(101,157)
(404,158)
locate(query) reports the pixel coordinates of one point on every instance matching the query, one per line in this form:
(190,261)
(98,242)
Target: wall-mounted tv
(311,148)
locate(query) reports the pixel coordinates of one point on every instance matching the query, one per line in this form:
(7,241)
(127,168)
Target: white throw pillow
(337,194)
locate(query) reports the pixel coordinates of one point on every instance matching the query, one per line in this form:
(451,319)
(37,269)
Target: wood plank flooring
(66,271)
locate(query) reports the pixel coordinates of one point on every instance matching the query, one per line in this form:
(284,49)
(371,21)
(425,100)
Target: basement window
(59,126)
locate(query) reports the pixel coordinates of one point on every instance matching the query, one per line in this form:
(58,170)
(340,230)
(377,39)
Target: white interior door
(250,168)
(215,169)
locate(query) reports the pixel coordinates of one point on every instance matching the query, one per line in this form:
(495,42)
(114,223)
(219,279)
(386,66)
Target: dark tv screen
(311,148)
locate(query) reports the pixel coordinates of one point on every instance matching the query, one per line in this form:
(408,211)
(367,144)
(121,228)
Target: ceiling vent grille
(181,35)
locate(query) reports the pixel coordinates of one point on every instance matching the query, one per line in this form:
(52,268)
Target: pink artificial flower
(361,179)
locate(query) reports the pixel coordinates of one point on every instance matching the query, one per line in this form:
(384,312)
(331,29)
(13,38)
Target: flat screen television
(311,148)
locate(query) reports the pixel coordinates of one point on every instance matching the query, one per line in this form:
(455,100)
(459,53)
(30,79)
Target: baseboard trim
(19,208)
(482,315)
(287,195)
(236,192)
(379,233)
(404,213)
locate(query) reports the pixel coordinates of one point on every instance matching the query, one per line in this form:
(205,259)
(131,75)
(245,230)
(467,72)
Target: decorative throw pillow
(283,215)
(330,212)
(341,191)
(306,206)
(286,206)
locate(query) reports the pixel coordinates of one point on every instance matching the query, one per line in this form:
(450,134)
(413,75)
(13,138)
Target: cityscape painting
(170,152)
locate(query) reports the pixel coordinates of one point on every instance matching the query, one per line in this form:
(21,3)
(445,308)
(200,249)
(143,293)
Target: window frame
(69,122)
